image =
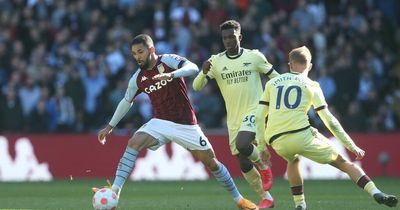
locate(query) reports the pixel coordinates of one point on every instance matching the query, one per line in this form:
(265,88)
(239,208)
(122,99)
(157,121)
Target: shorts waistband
(276,136)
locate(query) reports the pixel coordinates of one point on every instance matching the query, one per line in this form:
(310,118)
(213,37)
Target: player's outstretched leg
(296,183)
(222,175)
(265,170)
(124,169)
(248,156)
(358,175)
(253,178)
(246,148)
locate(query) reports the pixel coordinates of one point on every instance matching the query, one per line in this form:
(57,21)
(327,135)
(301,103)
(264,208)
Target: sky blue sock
(125,167)
(222,175)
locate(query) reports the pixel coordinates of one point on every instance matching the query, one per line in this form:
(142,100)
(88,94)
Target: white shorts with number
(190,137)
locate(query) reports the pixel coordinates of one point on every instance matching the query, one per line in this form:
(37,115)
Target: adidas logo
(224,69)
(143,78)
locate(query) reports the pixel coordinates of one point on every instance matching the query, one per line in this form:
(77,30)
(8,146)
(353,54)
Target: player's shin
(255,158)
(124,169)
(254,179)
(223,176)
(298,196)
(365,183)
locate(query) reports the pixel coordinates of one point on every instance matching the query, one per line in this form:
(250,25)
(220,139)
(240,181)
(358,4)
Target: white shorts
(188,136)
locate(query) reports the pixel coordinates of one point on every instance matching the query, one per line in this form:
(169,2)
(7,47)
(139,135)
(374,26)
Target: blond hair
(300,55)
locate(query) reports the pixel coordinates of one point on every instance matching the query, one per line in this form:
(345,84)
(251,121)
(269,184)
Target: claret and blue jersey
(168,97)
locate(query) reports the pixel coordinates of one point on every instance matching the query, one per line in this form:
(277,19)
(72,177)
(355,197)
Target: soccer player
(286,100)
(237,73)
(161,78)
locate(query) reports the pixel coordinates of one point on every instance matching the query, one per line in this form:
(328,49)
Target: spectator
(94,83)
(185,13)
(327,84)
(29,95)
(84,46)
(207,109)
(355,119)
(11,116)
(74,89)
(63,109)
(40,119)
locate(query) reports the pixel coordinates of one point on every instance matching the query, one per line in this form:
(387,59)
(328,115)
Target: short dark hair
(229,24)
(143,39)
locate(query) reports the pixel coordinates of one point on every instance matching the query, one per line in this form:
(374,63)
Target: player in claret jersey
(161,78)
(237,72)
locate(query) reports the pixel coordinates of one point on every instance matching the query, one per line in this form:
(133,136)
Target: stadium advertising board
(47,157)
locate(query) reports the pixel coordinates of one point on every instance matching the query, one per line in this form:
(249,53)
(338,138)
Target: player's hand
(266,157)
(359,153)
(163,76)
(206,66)
(103,134)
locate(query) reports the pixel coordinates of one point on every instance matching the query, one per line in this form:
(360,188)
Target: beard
(145,64)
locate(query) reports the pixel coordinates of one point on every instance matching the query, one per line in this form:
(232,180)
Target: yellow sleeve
(200,81)
(261,114)
(272,73)
(336,129)
(262,64)
(318,97)
(329,120)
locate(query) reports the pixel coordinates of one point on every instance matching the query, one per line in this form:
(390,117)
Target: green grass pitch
(320,195)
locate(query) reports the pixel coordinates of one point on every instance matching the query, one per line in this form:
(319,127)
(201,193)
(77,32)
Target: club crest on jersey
(160,68)
(246,64)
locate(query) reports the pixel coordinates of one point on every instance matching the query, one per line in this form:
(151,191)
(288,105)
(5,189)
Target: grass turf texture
(188,195)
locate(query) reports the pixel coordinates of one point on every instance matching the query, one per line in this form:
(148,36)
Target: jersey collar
(235,56)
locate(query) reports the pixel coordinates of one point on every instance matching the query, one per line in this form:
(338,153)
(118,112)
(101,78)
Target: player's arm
(337,130)
(188,69)
(121,110)
(264,66)
(183,67)
(272,73)
(333,124)
(202,78)
(261,114)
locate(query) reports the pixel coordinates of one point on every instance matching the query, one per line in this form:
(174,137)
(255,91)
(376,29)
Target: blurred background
(64,65)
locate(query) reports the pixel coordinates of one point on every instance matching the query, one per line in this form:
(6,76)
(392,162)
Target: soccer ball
(105,199)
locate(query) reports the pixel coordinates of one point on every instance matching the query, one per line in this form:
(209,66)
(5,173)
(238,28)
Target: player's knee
(340,162)
(294,163)
(296,160)
(134,144)
(245,164)
(244,148)
(211,164)
(140,141)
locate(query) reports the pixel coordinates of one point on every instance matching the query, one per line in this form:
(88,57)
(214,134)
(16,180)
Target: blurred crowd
(65,64)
